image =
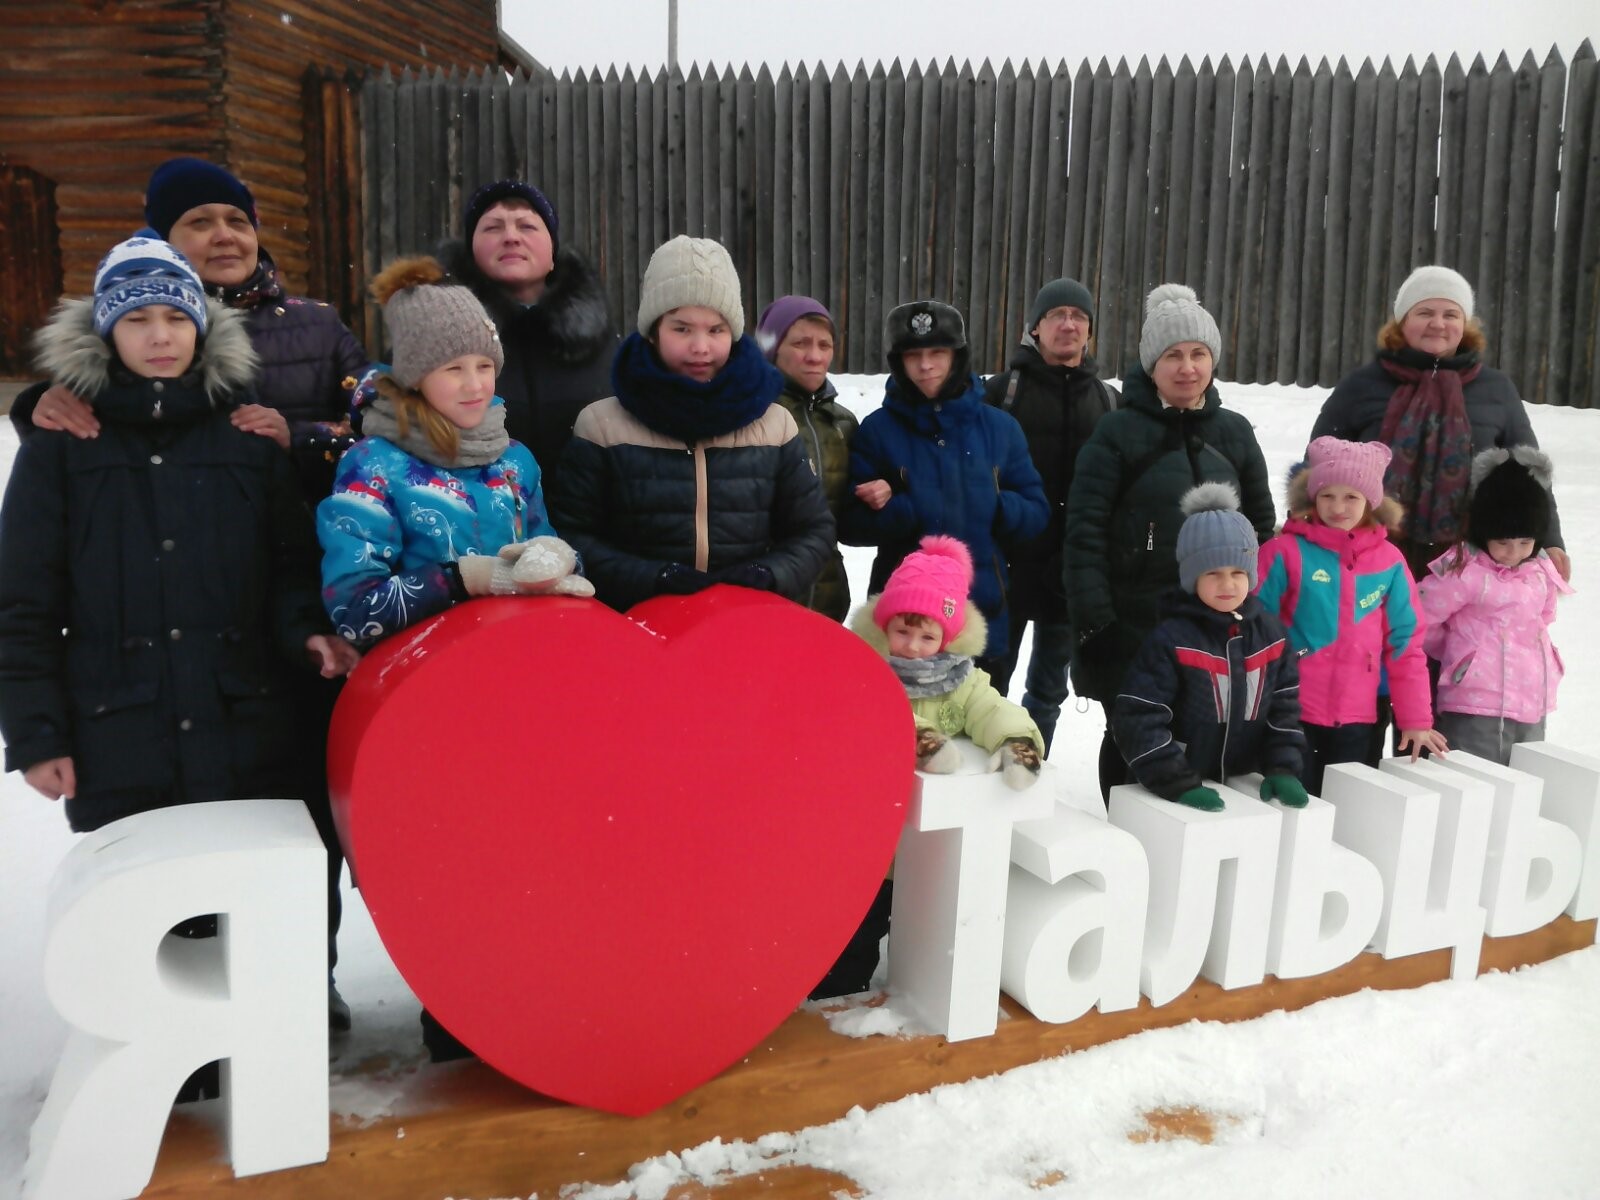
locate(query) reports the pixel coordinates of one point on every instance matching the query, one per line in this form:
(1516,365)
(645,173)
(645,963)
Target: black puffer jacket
(310,363)
(826,428)
(1210,695)
(631,500)
(1355,409)
(177,555)
(1058,408)
(1123,517)
(558,351)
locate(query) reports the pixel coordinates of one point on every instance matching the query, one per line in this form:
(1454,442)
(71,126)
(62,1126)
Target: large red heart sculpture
(612,853)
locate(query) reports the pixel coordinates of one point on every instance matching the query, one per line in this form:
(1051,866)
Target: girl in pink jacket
(1333,577)
(1489,603)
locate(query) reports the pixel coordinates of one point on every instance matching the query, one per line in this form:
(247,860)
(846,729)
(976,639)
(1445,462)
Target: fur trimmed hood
(573,313)
(970,641)
(68,351)
(1390,514)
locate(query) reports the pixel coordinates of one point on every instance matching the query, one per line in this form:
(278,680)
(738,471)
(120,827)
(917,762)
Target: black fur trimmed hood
(572,317)
(68,351)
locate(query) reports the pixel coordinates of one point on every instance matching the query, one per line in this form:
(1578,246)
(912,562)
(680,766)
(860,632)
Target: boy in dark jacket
(1213,691)
(157,581)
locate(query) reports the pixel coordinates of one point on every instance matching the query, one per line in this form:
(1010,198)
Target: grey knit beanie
(431,322)
(1433,283)
(689,270)
(1060,293)
(1215,533)
(1172,314)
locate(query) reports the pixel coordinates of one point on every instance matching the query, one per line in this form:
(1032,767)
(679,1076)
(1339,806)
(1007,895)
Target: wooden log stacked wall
(1292,198)
(95,93)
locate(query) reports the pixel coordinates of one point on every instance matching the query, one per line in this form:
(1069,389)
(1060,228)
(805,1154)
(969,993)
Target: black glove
(748,574)
(677,579)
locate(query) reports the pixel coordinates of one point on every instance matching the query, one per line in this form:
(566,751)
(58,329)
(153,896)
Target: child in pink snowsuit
(1489,602)
(1334,578)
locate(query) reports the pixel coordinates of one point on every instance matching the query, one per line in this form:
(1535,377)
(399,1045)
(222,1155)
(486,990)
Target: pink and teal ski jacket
(1351,609)
(1489,627)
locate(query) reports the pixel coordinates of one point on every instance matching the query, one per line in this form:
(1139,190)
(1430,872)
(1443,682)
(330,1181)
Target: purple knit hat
(1359,465)
(779,316)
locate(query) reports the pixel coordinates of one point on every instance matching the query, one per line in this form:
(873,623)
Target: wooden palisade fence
(1293,201)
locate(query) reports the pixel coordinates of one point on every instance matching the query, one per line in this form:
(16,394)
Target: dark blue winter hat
(491,194)
(180,184)
(141,271)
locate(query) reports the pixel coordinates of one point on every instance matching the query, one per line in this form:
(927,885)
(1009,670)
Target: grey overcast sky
(569,34)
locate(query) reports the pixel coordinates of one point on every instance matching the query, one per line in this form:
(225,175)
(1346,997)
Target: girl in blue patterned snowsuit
(437,504)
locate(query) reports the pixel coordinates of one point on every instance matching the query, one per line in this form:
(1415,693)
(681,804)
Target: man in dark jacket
(1053,389)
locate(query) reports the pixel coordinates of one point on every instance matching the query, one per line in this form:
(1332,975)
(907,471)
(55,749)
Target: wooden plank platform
(467,1131)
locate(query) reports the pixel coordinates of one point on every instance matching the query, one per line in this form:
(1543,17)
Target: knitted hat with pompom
(1215,534)
(431,322)
(932,582)
(1172,314)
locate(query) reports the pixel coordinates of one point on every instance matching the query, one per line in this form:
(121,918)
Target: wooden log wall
(96,93)
(1293,199)
(31,280)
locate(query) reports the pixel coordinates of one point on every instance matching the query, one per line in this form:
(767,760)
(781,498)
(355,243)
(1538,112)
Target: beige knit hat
(431,322)
(1172,314)
(689,270)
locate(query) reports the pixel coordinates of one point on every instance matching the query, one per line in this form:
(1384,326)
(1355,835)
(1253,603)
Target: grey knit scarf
(934,676)
(479,447)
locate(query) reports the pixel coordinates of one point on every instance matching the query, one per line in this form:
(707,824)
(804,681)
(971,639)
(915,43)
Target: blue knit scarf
(686,409)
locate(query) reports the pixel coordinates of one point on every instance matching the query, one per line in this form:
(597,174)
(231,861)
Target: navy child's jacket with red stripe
(1209,695)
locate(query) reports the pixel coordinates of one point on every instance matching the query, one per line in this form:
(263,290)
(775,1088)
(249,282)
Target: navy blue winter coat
(957,467)
(157,587)
(1209,695)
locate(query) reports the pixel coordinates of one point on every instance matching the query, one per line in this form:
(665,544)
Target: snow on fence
(1293,200)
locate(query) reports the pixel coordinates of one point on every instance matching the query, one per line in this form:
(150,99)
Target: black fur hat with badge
(928,325)
(1510,496)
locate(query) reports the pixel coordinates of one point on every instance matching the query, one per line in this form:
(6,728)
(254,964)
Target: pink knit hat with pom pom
(932,582)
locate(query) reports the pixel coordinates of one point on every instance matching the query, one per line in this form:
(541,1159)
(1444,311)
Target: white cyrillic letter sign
(147,1008)
(949,911)
(1572,798)
(1426,830)
(1531,869)
(1328,899)
(1211,883)
(1074,916)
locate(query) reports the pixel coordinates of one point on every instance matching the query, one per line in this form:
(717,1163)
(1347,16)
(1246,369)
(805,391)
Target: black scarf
(686,409)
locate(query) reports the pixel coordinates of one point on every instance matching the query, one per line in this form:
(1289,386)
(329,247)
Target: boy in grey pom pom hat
(1214,690)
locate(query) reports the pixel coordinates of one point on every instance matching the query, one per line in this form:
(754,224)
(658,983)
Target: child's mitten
(1204,798)
(1017,760)
(1285,789)
(486,575)
(936,754)
(540,563)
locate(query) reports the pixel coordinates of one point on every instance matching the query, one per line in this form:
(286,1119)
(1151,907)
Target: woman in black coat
(1123,514)
(549,307)
(1431,400)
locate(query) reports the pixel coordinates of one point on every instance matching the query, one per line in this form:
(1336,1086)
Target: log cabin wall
(267,48)
(95,93)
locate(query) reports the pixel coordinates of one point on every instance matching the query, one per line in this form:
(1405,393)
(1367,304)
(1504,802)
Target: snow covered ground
(1454,1090)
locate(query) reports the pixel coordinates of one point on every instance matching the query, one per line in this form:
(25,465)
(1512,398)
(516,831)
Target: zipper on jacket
(1150,537)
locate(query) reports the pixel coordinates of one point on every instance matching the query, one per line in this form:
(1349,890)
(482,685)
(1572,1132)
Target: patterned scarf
(478,447)
(686,409)
(1427,428)
(261,288)
(937,675)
